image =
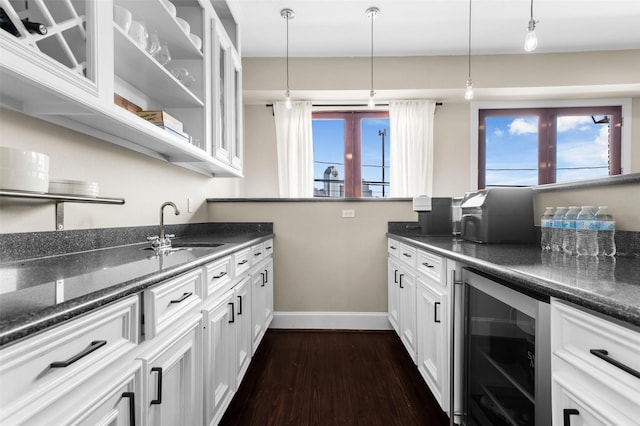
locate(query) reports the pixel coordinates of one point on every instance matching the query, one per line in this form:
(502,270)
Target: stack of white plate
(22,170)
(73,187)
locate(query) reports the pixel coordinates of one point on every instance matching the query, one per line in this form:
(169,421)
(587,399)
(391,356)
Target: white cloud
(498,132)
(520,126)
(566,123)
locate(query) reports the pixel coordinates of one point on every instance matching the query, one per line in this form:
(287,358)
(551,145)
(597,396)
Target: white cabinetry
(595,369)
(172,374)
(38,374)
(261,292)
(72,75)
(434,325)
(402,286)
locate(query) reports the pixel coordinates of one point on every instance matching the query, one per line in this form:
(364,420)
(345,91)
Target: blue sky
(512,144)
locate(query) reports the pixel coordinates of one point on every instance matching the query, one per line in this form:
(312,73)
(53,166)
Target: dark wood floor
(333,378)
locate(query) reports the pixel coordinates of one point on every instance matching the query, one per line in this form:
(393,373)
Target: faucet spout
(163,240)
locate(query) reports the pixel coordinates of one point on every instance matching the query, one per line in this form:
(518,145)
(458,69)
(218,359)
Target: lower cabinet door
(242,294)
(219,361)
(173,376)
(433,352)
(408,320)
(258,302)
(393,289)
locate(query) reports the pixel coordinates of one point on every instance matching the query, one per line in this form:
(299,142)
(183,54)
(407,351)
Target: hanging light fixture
(531,40)
(371,13)
(468,93)
(287,14)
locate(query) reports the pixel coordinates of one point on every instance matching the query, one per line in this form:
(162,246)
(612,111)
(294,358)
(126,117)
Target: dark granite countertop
(610,286)
(38,293)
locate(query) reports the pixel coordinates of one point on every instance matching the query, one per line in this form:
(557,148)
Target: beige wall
(145,183)
(503,78)
(322,261)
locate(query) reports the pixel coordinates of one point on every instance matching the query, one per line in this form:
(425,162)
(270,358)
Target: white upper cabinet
(90,74)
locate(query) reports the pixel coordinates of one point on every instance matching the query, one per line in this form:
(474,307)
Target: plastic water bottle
(569,230)
(556,233)
(586,232)
(606,232)
(546,223)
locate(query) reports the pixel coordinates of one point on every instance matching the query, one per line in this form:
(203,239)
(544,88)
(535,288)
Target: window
(351,154)
(525,147)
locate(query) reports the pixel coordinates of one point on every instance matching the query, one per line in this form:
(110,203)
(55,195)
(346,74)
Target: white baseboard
(331,320)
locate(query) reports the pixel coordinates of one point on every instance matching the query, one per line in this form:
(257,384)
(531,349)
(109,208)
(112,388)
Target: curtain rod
(348,105)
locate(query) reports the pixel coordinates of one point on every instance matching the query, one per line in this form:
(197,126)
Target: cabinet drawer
(257,253)
(69,353)
(167,302)
(241,261)
(408,255)
(268,248)
(579,337)
(219,276)
(393,247)
(430,264)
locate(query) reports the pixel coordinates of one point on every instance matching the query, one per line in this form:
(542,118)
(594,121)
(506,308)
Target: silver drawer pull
(604,355)
(94,346)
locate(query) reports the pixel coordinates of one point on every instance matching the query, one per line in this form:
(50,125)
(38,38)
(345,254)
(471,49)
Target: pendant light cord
(469,55)
(372,16)
(287,18)
(531,9)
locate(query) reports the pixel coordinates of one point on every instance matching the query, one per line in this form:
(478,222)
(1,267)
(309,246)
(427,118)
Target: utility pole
(382,133)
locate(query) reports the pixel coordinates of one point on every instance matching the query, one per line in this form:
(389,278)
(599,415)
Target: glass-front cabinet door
(236,118)
(54,43)
(221,95)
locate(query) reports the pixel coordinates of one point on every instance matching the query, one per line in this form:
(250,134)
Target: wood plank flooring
(333,378)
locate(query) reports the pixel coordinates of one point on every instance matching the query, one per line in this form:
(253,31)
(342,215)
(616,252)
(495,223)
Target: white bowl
(122,17)
(22,170)
(196,40)
(20,159)
(73,187)
(184,25)
(170,7)
(23,180)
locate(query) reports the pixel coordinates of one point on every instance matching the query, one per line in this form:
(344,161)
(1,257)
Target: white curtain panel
(411,147)
(295,149)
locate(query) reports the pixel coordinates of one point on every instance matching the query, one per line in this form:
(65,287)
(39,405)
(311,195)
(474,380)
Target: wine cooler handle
(567,413)
(604,355)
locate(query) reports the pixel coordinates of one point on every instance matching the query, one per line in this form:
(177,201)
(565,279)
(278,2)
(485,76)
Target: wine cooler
(506,356)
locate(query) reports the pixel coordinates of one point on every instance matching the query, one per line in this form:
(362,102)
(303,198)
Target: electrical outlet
(348,213)
(189,205)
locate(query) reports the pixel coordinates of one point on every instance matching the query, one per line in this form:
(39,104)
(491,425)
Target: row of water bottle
(578,231)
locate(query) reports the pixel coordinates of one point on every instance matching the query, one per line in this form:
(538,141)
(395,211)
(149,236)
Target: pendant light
(531,40)
(287,14)
(371,13)
(468,93)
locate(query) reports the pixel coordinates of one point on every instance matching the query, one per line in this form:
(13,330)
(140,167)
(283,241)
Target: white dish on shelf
(73,187)
(122,17)
(196,40)
(170,7)
(22,170)
(184,25)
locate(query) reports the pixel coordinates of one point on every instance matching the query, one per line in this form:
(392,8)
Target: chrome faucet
(163,241)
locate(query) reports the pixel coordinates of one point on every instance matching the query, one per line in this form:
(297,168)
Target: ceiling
(339,28)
